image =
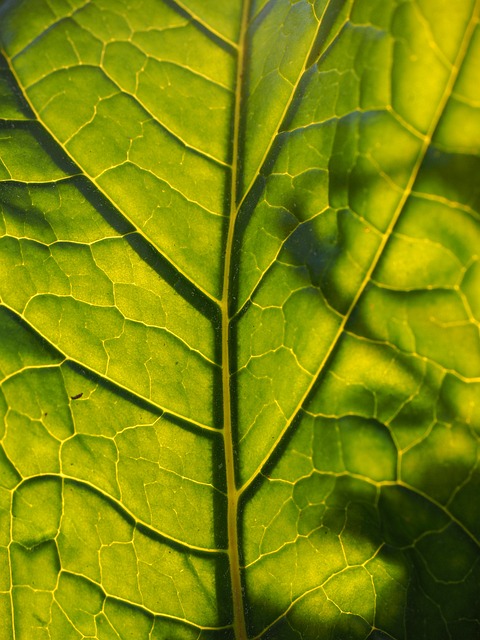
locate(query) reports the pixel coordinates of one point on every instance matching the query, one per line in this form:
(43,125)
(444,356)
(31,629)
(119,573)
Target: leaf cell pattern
(239,309)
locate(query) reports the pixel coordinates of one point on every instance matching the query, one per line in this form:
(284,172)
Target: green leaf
(239,319)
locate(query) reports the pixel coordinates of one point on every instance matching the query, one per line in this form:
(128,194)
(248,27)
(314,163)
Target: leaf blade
(297,309)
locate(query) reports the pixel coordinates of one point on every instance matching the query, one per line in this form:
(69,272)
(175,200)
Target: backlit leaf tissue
(239,320)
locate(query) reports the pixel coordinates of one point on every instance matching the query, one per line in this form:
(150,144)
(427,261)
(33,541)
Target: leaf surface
(239,309)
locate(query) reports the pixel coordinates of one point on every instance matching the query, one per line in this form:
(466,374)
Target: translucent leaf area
(239,320)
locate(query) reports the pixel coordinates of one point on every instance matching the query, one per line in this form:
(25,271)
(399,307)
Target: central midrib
(239,625)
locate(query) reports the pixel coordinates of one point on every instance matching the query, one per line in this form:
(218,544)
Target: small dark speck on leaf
(79,395)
